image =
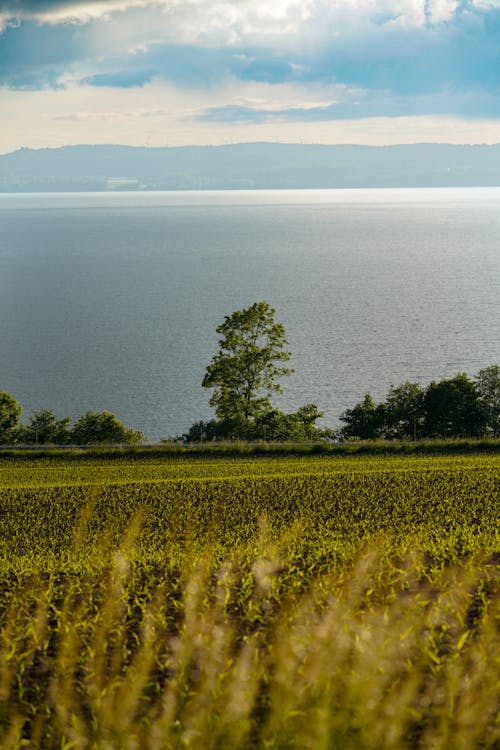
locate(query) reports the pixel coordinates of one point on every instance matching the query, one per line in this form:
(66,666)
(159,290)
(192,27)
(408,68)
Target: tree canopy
(10,411)
(487,383)
(44,428)
(244,374)
(248,366)
(103,427)
(453,407)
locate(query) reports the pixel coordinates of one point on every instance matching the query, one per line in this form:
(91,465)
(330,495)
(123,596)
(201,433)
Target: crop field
(241,603)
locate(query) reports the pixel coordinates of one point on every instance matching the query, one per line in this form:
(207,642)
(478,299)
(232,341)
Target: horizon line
(249,143)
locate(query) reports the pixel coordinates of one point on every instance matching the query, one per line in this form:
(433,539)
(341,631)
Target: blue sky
(178,72)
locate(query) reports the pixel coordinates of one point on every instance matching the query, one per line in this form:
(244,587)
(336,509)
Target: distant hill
(247,166)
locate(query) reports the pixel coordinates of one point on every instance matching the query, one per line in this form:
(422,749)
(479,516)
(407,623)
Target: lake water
(111,300)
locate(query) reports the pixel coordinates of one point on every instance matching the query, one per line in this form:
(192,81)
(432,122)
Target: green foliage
(452,408)
(487,383)
(214,429)
(247,368)
(364,421)
(270,425)
(244,374)
(44,428)
(299,426)
(10,411)
(103,427)
(242,449)
(403,411)
(339,501)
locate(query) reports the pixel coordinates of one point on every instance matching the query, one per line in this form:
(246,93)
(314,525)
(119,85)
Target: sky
(182,72)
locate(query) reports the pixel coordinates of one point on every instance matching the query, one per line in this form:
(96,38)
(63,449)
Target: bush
(104,427)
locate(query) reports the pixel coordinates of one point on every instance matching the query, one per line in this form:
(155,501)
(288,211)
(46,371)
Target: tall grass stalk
(383,653)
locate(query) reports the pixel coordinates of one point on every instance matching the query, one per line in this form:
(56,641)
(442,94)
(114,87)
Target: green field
(276,602)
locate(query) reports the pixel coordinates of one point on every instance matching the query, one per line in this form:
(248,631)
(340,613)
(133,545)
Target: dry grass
(384,653)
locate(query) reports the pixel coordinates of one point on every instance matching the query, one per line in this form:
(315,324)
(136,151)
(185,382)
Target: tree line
(44,428)
(453,407)
(243,376)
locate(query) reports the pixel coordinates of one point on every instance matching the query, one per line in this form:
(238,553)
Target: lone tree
(248,366)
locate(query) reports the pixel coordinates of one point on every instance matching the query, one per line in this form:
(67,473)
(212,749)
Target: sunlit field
(250,603)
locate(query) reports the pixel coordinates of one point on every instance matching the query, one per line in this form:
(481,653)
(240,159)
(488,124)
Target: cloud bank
(243,62)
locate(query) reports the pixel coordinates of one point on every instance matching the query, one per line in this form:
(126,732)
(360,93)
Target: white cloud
(160,114)
(7,19)
(229,21)
(313,36)
(486,3)
(441,11)
(289,26)
(107,116)
(73,12)
(193,18)
(285,96)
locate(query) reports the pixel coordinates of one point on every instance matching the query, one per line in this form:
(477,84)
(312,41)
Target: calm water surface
(110,301)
